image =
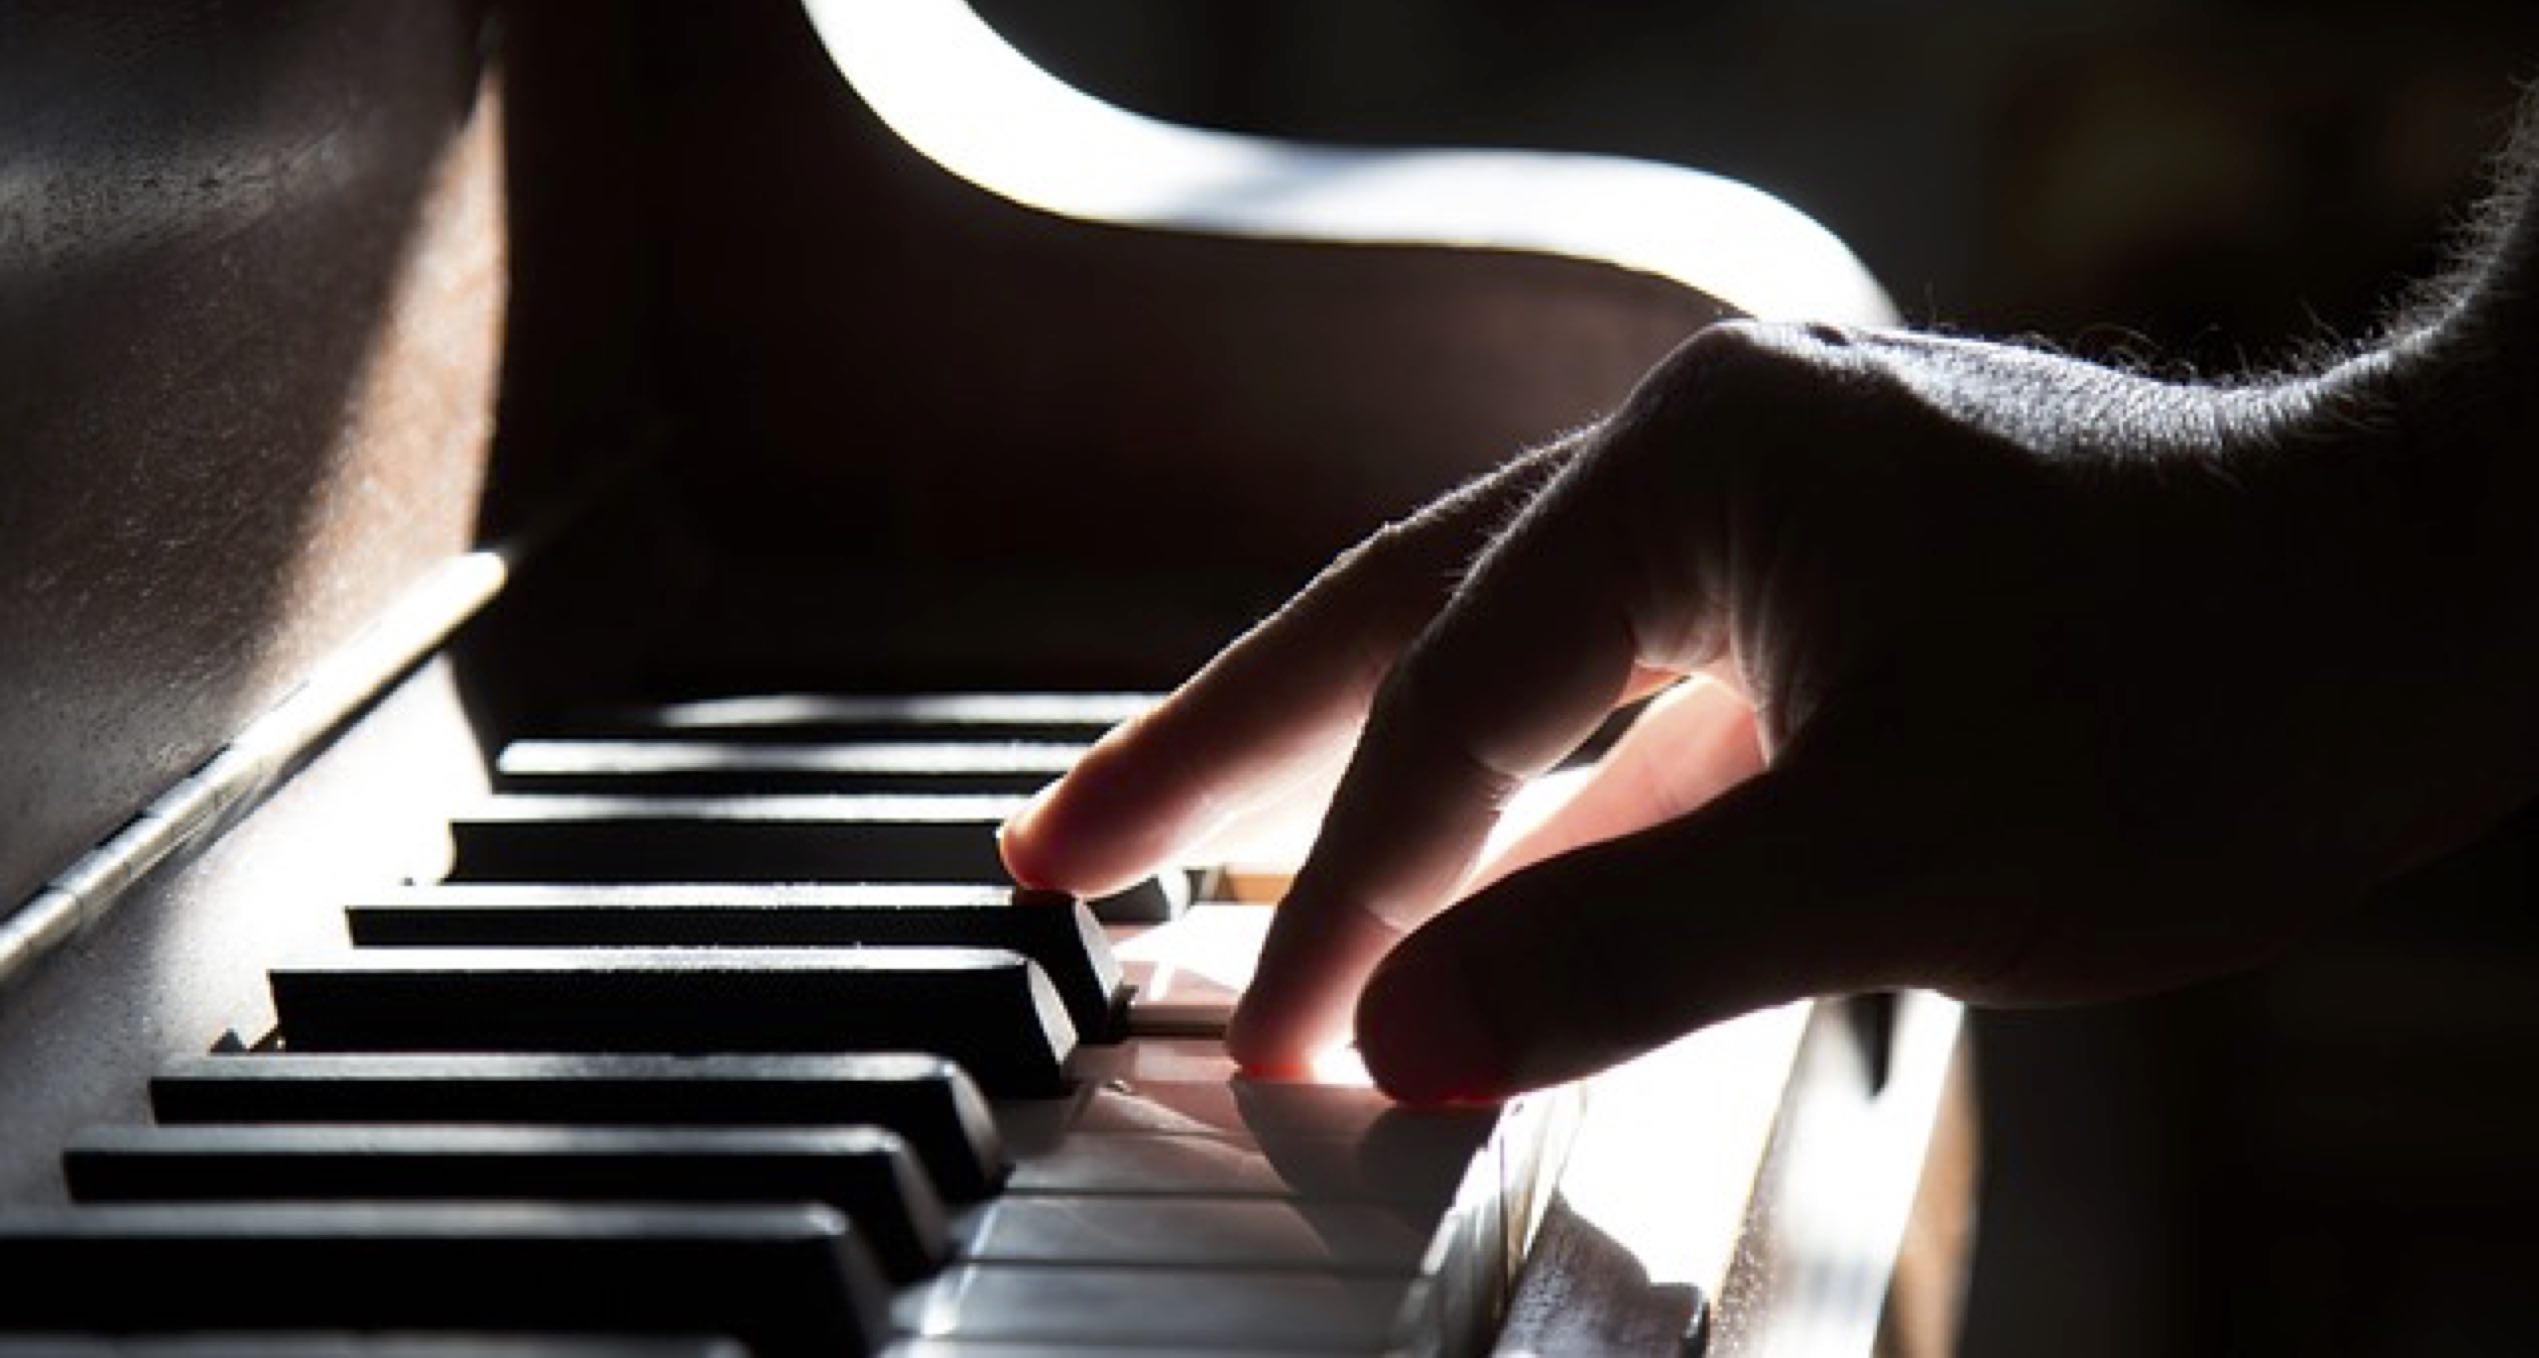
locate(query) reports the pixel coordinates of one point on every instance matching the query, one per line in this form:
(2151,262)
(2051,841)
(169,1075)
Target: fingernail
(1020,824)
(1427,1038)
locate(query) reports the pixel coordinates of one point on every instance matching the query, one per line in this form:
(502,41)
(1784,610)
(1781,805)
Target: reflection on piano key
(675,767)
(1197,1232)
(867,1173)
(1191,1311)
(926,1100)
(1419,1171)
(994,1012)
(790,1282)
(1064,717)
(1257,1108)
(1166,1059)
(1056,933)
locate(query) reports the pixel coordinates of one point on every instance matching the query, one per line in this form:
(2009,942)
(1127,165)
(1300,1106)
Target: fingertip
(1427,1036)
(1280,1027)
(1275,1071)
(1266,1042)
(1095,831)
(1020,844)
(1312,967)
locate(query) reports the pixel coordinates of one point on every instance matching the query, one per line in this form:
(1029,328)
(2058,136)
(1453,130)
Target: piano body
(389,381)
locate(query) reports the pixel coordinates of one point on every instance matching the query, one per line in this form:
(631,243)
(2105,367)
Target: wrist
(2447,416)
(2465,408)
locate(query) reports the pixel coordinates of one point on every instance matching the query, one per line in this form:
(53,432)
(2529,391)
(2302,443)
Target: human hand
(2027,680)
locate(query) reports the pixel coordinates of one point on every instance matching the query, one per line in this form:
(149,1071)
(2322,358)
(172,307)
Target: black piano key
(865,1172)
(1069,718)
(626,765)
(928,1101)
(277,1344)
(1054,931)
(993,1012)
(1160,899)
(784,1280)
(533,837)
(842,839)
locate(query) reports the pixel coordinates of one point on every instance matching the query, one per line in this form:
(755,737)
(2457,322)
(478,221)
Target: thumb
(1809,879)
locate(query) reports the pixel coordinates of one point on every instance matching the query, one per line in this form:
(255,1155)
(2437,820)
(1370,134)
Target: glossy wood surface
(251,287)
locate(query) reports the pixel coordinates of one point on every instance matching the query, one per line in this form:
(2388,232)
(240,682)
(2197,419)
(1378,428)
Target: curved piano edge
(1841,1189)
(1748,1190)
(949,86)
(1648,1218)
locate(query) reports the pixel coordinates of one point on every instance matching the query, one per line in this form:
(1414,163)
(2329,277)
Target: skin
(1984,669)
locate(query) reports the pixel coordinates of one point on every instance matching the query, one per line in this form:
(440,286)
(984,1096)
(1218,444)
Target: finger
(1806,880)
(1521,665)
(1276,833)
(1269,714)
(1689,746)
(1276,827)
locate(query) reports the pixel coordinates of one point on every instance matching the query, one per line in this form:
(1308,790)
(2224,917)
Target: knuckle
(1386,585)
(1389,554)
(1743,397)
(1741,364)
(1422,558)
(1424,713)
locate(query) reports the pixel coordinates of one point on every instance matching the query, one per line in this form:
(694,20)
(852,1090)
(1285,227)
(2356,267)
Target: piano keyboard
(720,1036)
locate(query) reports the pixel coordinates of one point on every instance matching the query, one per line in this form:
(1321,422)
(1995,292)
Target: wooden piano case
(626,350)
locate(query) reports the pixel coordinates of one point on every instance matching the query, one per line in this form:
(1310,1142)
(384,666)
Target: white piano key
(1254,1108)
(1193,1311)
(1418,1169)
(1169,1059)
(1150,1165)
(1189,973)
(1196,1233)
(1003,1348)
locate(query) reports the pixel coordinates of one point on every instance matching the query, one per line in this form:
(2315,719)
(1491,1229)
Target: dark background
(2339,1153)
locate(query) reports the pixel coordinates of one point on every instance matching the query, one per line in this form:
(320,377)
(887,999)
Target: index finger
(1521,664)
(1270,712)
